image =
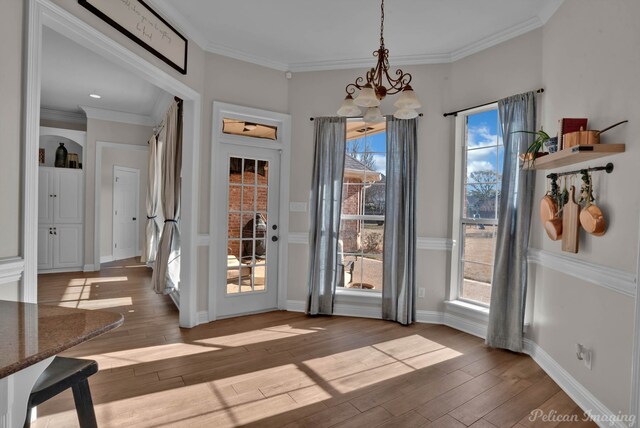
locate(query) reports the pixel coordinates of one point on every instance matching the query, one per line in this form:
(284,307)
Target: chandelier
(379,83)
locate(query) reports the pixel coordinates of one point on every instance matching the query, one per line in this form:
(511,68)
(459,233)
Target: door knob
(274,238)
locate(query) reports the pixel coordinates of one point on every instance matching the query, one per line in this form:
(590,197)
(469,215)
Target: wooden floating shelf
(576,154)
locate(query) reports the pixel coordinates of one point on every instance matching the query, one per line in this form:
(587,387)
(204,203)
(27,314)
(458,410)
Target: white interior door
(126,184)
(250,213)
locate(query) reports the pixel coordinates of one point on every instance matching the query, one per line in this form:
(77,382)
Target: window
(479,158)
(363,206)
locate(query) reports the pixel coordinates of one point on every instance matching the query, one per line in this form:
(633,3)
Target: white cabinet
(45,241)
(60,215)
(67,245)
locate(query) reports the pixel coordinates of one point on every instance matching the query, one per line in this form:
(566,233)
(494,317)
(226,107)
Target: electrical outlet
(583,354)
(422,292)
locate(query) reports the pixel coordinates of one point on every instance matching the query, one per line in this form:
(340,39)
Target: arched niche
(50,139)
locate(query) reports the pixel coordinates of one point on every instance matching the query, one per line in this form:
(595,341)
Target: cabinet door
(45,245)
(67,245)
(45,195)
(68,204)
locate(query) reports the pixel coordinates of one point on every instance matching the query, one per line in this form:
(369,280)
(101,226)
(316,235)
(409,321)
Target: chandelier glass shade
(377,84)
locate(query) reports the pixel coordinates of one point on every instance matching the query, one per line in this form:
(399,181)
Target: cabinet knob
(134,219)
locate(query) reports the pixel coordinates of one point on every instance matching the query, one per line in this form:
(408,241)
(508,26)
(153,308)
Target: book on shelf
(567,125)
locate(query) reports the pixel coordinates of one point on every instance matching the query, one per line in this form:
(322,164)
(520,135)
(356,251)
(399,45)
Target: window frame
(357,293)
(458,221)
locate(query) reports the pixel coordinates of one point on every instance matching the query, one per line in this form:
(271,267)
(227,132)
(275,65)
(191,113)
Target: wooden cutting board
(571,223)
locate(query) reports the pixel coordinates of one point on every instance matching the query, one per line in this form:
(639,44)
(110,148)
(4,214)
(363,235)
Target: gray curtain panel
(399,276)
(509,285)
(154,218)
(325,208)
(166,273)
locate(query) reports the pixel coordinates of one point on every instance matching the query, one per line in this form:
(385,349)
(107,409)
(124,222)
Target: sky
(482,133)
(377,145)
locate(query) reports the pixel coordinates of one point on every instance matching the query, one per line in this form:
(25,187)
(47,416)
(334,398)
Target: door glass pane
(247,225)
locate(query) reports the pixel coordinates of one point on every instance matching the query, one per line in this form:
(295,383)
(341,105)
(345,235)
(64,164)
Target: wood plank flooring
(284,369)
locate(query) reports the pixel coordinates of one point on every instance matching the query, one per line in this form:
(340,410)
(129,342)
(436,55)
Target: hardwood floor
(284,369)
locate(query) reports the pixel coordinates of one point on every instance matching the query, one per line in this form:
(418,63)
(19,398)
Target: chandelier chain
(382,23)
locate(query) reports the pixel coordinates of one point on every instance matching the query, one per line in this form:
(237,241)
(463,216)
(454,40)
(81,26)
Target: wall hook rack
(608,168)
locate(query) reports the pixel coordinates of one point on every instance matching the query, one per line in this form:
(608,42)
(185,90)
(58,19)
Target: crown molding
(117,116)
(246,57)
(62,116)
(181,22)
(497,38)
(549,10)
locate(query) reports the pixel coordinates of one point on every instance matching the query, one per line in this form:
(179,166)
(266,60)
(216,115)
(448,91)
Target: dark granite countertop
(30,333)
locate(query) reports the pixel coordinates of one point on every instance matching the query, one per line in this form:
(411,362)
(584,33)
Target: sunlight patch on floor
(255,336)
(98,303)
(97,280)
(148,354)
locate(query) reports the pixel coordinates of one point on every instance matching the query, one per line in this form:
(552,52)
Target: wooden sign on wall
(143,25)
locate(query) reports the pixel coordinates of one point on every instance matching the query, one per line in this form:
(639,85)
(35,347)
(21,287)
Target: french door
(249,281)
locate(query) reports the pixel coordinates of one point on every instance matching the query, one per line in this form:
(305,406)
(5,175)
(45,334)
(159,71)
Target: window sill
(467,309)
(360,294)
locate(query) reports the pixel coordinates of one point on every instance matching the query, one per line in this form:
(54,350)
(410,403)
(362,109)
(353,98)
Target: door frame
(97,185)
(41,13)
(113,204)
(219,191)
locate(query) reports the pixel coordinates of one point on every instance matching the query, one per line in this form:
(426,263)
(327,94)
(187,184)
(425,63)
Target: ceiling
(71,72)
(300,35)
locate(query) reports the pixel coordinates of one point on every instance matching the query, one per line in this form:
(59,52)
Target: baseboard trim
(296,306)
(202,317)
(429,317)
(89,268)
(469,326)
(106,259)
(610,278)
(346,310)
(574,389)
(61,270)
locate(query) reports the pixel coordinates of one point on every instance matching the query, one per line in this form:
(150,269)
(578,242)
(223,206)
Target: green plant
(534,148)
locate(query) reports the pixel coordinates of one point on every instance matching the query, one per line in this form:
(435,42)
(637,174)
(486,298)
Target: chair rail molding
(422,243)
(610,278)
(11,269)
(436,244)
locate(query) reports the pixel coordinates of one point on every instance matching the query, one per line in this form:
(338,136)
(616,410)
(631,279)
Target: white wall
(109,132)
(320,93)
(10,135)
(111,157)
(235,82)
(587,59)
(591,64)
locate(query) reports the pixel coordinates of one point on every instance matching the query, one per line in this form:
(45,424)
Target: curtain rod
(455,113)
(313,118)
